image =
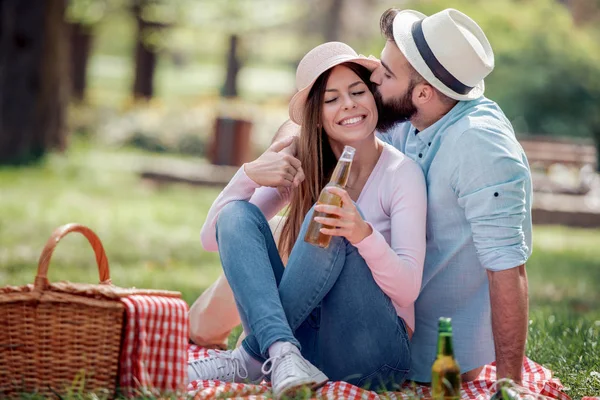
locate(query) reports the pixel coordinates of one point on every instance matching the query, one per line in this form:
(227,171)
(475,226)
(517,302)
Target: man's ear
(423,93)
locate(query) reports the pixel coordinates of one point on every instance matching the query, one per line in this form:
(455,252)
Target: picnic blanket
(537,379)
(155,345)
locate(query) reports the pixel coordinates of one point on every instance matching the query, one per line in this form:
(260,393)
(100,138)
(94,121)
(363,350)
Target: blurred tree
(153,17)
(82,17)
(333,22)
(547,73)
(584,11)
(349,21)
(34,86)
(81,44)
(230,88)
(244,23)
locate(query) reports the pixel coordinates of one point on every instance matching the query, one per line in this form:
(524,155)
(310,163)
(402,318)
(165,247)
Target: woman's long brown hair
(317,158)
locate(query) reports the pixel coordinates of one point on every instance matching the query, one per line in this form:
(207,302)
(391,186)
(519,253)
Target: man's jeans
(324,301)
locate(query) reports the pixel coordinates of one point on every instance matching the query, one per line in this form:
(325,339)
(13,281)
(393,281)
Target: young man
(431,90)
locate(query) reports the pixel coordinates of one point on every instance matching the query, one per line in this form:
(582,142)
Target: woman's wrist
(365,231)
(249,171)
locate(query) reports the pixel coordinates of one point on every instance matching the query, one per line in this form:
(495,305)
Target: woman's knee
(236,214)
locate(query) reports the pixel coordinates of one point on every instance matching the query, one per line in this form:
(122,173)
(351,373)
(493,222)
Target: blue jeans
(325,301)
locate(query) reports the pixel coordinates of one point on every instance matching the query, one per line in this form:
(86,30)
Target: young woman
(345,311)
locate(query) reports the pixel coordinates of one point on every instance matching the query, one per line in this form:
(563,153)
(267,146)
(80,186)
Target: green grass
(151,236)
(150,233)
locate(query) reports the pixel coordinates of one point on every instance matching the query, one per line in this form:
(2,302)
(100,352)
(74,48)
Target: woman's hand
(276,167)
(349,223)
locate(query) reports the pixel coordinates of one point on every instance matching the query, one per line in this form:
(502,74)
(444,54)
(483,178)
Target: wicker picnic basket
(57,336)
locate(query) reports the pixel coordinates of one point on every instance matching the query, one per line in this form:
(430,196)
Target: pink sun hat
(317,61)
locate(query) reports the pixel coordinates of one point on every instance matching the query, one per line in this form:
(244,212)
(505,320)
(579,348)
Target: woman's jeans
(324,301)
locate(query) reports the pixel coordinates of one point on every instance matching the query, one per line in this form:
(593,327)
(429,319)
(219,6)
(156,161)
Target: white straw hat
(448,49)
(317,61)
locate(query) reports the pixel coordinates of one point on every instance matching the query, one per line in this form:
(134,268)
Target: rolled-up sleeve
(491,181)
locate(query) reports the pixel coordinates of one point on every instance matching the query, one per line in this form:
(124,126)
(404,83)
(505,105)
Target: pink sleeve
(398,267)
(241,187)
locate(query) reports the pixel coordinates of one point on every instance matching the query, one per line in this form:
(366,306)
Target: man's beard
(396,110)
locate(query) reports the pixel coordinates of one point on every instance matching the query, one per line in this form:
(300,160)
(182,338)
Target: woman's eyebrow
(349,86)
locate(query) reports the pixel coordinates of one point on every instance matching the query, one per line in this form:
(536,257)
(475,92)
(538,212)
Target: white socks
(253,366)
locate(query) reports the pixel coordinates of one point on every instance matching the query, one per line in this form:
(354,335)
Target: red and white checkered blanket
(155,345)
(537,379)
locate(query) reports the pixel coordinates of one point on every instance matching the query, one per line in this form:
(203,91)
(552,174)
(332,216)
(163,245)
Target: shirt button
(429,144)
(420,155)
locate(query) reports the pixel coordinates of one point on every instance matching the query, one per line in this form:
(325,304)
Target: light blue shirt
(478,219)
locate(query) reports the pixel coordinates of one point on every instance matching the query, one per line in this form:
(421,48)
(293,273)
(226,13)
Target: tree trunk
(145,57)
(34,88)
(584,11)
(230,88)
(333,21)
(80,37)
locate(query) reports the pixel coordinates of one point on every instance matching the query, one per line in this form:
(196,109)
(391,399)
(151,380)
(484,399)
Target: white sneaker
(290,372)
(219,365)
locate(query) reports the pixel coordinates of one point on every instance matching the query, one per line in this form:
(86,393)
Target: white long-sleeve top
(393,201)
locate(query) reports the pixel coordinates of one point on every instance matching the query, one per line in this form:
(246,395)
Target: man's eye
(388,76)
(358,93)
(330,100)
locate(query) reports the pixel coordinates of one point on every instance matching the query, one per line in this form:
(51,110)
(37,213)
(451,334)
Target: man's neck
(427,117)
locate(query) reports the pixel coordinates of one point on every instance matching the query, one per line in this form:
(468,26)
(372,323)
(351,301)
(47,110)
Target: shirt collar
(428,134)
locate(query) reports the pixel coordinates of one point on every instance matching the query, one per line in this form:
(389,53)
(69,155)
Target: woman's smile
(352,121)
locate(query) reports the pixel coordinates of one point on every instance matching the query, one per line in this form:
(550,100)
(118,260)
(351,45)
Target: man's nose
(376,76)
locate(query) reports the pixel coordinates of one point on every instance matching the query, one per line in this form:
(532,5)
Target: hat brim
(403,23)
(296,107)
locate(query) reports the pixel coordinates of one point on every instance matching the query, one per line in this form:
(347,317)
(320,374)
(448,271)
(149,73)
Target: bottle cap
(445,324)
(348,153)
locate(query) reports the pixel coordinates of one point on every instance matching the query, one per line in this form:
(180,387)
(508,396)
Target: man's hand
(510,310)
(275,167)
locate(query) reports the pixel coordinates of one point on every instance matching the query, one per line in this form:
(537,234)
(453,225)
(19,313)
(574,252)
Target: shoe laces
(221,365)
(283,363)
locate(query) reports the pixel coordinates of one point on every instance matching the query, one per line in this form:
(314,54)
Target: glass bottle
(445,372)
(339,178)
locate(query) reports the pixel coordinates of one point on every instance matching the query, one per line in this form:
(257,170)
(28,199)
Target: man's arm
(510,310)
(493,184)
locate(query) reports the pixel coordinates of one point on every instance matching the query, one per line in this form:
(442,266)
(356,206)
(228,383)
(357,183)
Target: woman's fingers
(299,178)
(346,200)
(329,209)
(334,222)
(334,232)
(290,169)
(349,223)
(293,161)
(287,178)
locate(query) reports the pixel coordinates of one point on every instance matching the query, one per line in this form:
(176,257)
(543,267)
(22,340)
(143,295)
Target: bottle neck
(445,345)
(341,173)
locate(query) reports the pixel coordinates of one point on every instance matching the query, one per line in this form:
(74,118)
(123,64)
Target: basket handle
(41,279)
